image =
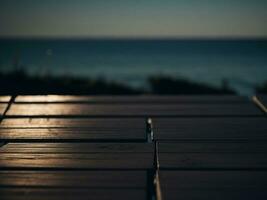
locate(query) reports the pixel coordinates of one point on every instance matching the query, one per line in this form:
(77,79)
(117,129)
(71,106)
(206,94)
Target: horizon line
(133,38)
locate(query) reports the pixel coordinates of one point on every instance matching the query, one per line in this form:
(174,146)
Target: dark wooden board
(221,185)
(73,129)
(139,124)
(222,128)
(132,99)
(133,110)
(3,107)
(74,179)
(71,194)
(71,134)
(97,156)
(76,161)
(220,155)
(81,148)
(5,99)
(211,147)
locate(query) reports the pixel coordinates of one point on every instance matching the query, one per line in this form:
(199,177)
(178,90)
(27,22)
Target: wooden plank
(139,124)
(211,147)
(68,135)
(77,148)
(5,99)
(131,99)
(223,128)
(93,156)
(71,194)
(3,107)
(74,179)
(219,155)
(221,185)
(133,110)
(73,129)
(76,161)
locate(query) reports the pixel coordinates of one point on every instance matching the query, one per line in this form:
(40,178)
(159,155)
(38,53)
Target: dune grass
(20,82)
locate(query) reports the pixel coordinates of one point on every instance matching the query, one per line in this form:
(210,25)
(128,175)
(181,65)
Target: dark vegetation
(168,85)
(19,82)
(262,89)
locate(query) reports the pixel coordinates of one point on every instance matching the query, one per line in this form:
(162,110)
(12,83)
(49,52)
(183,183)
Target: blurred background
(133,47)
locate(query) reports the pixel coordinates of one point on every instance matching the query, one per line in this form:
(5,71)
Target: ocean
(243,63)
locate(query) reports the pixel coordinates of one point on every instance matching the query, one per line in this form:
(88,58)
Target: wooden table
(132,147)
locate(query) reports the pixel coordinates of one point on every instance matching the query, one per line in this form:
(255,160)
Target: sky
(133,18)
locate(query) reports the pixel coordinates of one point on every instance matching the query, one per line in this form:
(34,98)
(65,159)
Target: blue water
(242,62)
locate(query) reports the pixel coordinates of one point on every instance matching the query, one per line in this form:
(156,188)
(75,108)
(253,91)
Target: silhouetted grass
(262,89)
(19,82)
(168,85)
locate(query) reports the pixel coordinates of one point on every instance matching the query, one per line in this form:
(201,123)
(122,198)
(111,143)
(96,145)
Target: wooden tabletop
(132,147)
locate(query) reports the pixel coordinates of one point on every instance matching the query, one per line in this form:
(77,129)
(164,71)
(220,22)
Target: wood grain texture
(189,185)
(223,128)
(72,134)
(75,161)
(203,155)
(131,99)
(72,129)
(71,194)
(210,147)
(97,156)
(139,124)
(3,107)
(5,99)
(134,110)
(74,179)
(77,148)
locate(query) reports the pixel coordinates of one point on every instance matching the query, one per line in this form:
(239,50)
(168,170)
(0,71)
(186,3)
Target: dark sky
(133,18)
